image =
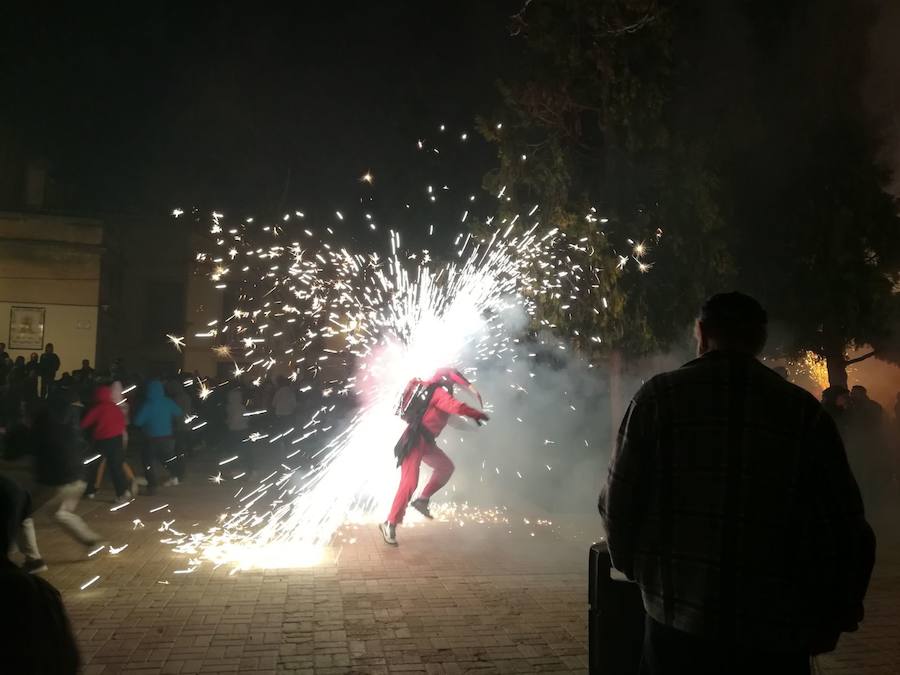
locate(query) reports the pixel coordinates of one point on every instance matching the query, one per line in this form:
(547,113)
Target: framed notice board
(26,328)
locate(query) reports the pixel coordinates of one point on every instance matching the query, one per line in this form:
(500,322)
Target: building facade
(50,276)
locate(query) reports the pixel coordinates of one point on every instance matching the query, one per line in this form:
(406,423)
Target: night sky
(250,110)
(265,110)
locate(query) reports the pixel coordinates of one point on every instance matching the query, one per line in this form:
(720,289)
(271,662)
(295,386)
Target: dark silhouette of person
(35,634)
(731,503)
(48,367)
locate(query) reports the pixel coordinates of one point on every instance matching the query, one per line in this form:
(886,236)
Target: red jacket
(440,408)
(105,419)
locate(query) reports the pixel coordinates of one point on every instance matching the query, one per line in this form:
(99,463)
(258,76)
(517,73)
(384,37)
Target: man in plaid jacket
(730,502)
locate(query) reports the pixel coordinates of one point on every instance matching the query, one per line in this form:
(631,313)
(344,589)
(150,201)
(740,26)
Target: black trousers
(669,651)
(47,384)
(113,451)
(162,451)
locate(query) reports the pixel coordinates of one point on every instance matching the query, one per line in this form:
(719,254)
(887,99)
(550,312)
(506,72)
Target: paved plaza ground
(498,598)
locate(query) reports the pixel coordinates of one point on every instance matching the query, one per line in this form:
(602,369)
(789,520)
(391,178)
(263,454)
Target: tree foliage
(587,133)
(733,129)
(819,237)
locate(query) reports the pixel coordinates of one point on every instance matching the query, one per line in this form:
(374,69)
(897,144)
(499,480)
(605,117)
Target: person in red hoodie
(418,444)
(107,425)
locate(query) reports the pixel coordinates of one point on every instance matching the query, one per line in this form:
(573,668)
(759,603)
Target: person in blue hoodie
(158,417)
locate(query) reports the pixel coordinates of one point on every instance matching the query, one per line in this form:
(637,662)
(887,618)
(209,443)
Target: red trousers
(442,469)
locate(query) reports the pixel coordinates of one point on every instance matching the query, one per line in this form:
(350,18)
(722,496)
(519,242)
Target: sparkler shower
(358,325)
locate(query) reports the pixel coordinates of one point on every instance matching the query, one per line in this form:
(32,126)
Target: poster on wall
(26,328)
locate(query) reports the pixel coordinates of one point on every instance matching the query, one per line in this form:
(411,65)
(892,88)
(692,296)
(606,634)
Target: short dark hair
(833,393)
(734,321)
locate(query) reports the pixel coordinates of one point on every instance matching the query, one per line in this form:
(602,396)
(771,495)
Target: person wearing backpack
(426,407)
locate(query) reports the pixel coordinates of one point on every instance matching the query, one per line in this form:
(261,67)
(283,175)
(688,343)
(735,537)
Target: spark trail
(363,325)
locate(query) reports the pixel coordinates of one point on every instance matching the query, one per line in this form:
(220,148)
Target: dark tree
(590,134)
(819,236)
(680,117)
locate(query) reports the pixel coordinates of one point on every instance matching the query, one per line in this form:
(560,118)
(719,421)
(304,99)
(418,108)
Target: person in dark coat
(34,364)
(836,401)
(730,502)
(85,373)
(35,634)
(58,449)
(16,392)
(47,369)
(32,386)
(176,391)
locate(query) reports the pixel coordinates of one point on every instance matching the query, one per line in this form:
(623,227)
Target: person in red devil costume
(435,401)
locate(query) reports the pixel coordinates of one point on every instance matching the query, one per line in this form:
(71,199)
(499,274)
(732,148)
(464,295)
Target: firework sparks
(177,342)
(364,325)
(90,582)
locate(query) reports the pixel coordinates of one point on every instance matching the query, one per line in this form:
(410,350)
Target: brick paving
(875,648)
(450,599)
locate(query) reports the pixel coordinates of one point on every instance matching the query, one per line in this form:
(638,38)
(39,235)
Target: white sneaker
(172,482)
(135,486)
(389,532)
(140,480)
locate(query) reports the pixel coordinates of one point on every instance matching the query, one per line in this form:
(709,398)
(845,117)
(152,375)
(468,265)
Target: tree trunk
(836,364)
(616,404)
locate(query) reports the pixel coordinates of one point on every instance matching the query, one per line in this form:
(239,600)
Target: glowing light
(395,318)
(90,582)
(177,342)
(815,368)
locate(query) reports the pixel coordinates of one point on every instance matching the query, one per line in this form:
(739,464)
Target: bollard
(615,618)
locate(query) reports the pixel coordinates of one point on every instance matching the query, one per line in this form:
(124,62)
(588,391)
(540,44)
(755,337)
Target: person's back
(157,414)
(48,363)
(58,442)
(105,418)
(157,417)
(741,449)
(731,503)
(35,634)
